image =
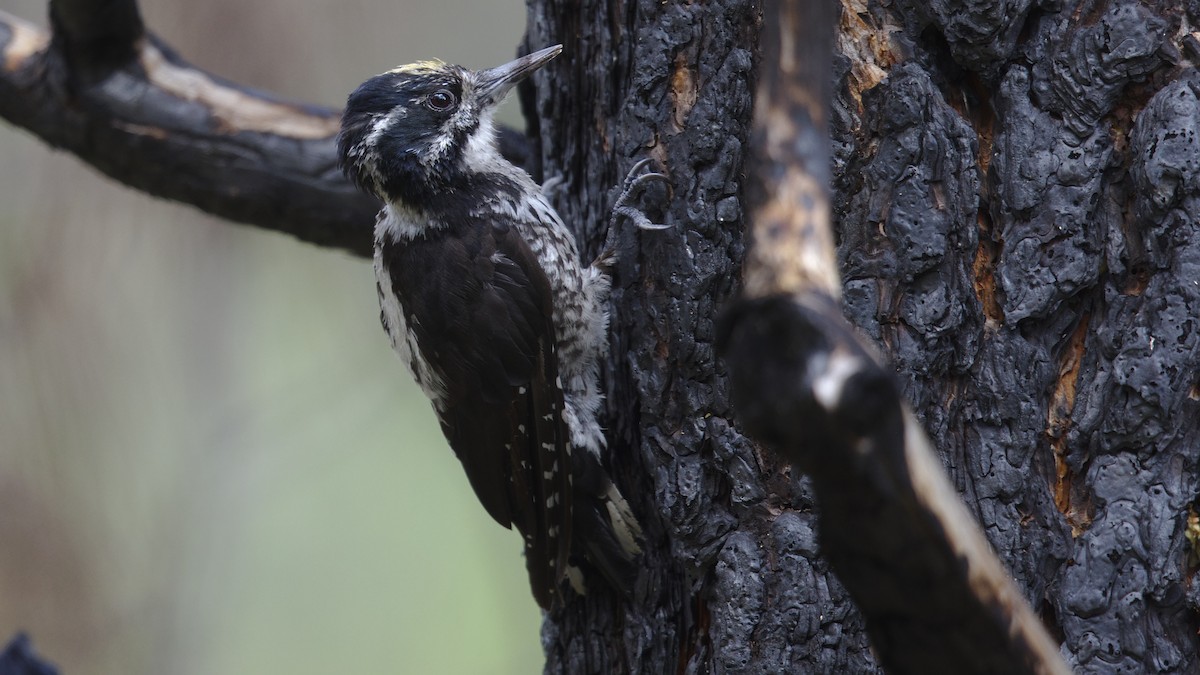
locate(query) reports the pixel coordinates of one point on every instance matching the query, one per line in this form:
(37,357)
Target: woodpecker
(485,297)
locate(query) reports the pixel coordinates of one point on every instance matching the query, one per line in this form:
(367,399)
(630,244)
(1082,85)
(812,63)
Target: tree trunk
(1015,196)
(1018,213)
(732,555)
(1016,193)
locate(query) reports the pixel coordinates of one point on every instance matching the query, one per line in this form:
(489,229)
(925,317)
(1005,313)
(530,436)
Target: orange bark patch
(869,47)
(984,268)
(1058,422)
(684,91)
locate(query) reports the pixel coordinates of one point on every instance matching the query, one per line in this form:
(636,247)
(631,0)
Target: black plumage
(484,296)
(481,312)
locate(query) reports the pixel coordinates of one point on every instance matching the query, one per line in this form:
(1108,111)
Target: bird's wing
(482,311)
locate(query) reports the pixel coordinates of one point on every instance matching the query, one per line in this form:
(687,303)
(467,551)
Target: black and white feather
(485,298)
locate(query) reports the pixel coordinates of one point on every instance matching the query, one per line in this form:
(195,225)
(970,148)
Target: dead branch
(102,88)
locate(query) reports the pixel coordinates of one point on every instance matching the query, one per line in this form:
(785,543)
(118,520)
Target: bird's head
(419,129)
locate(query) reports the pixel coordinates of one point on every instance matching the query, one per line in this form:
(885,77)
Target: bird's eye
(441,100)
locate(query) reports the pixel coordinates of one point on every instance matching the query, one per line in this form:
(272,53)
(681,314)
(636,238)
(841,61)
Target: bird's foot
(626,207)
(635,184)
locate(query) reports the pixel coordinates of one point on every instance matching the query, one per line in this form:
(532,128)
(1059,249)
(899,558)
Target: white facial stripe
(382,123)
(367,159)
(441,143)
(464,117)
(480,153)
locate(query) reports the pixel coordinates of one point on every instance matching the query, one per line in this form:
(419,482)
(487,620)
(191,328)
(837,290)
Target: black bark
(1002,240)
(672,81)
(983,220)
(1016,192)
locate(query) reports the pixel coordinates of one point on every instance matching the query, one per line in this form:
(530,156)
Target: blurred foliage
(210,462)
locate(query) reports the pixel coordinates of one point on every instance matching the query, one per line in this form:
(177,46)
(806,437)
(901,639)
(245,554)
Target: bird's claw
(635,175)
(631,189)
(635,183)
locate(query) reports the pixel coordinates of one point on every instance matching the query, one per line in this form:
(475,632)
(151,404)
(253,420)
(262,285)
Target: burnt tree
(1015,193)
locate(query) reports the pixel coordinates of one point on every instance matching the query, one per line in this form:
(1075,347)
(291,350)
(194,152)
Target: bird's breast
(398,320)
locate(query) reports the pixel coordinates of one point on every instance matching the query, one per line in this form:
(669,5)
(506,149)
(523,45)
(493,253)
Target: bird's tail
(606,532)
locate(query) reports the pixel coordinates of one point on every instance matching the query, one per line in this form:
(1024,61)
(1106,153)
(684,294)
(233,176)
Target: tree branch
(791,238)
(934,594)
(18,658)
(121,100)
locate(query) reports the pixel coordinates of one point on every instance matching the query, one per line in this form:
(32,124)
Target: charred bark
(807,384)
(1015,208)
(1001,239)
(983,218)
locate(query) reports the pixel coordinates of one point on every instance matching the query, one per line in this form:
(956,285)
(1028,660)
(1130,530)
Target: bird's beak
(494,83)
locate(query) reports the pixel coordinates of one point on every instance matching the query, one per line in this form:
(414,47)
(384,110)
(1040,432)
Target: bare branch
(934,594)
(122,101)
(792,242)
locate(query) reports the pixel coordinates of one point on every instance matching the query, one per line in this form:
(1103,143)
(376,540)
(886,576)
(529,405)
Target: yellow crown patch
(421,68)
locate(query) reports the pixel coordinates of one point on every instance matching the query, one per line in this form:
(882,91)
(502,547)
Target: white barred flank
(580,305)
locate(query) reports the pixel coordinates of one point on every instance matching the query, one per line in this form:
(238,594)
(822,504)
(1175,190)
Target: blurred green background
(210,461)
